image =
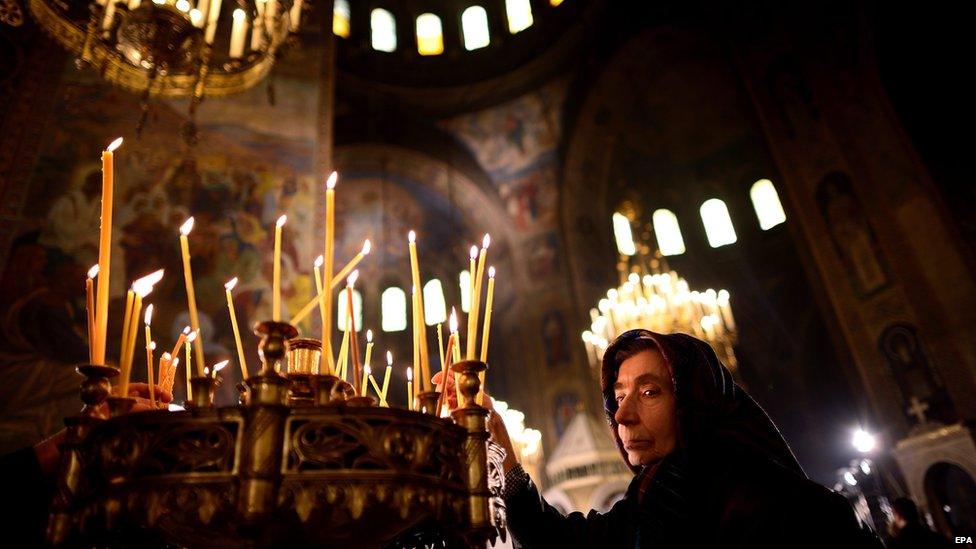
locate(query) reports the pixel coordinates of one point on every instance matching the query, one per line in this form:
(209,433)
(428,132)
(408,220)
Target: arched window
(464,281)
(623,234)
(474,28)
(435,309)
(519,14)
(382,30)
(393,308)
(430,36)
(357,310)
(668,233)
(765,200)
(718,224)
(340,18)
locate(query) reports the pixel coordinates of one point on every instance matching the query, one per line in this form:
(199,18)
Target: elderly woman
(710,468)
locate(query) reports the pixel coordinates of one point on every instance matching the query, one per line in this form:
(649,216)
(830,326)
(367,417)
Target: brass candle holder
(274,471)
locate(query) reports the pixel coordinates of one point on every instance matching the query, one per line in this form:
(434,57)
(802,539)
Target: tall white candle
(238,34)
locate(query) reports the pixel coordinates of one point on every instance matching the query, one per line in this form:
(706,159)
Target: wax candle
(317,300)
(104,252)
(212,14)
(140,288)
(409,388)
(365,383)
(488,302)
(351,330)
(276,271)
(348,267)
(343,361)
(415,319)
(189,352)
(375,385)
(257,32)
(472,261)
(421,334)
(238,34)
(150,347)
(90,310)
(149,355)
(191,298)
(476,300)
(180,340)
(228,288)
(327,358)
(369,354)
(454,352)
(386,379)
(165,361)
(295,15)
(218,367)
(440,343)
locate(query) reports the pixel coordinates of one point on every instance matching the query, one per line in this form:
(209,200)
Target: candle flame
(353,277)
(144,286)
(166,356)
(491,272)
(238,15)
(409,373)
(474,252)
(367,370)
(152,345)
(281,221)
(93,272)
(330,183)
(319,260)
(149,313)
(219,366)
(412,237)
(176,362)
(186,331)
(369,336)
(114,145)
(453,321)
(191,337)
(186,227)
(366,247)
(231,284)
(486,241)
(389,359)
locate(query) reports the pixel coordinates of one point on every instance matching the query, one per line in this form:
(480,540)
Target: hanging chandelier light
(653,297)
(173,48)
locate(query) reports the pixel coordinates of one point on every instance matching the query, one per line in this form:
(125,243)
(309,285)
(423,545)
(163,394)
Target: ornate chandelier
(173,48)
(653,297)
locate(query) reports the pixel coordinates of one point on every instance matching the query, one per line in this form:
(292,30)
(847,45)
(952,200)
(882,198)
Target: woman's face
(647,408)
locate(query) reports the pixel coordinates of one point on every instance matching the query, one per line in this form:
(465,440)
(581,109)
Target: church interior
(778,179)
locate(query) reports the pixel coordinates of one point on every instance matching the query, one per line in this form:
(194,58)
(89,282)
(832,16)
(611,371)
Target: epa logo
(964,539)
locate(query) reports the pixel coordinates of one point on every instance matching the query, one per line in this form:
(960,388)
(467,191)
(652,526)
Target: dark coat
(732,481)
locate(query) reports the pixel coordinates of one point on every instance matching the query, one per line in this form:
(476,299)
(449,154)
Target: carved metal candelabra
(302,463)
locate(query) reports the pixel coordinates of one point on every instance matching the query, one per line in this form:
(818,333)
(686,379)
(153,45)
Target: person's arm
(535,523)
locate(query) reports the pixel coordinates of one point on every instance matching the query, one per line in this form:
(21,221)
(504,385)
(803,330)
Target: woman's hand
(496,426)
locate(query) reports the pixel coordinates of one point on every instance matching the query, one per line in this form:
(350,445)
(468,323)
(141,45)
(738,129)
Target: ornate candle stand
(302,463)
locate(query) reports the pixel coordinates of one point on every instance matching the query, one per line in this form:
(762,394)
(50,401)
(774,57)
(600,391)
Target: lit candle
(351,330)
(409,388)
(386,379)
(440,342)
(343,355)
(415,320)
(109,15)
(327,358)
(238,34)
(372,381)
(150,347)
(348,267)
(454,352)
(421,335)
(212,13)
(191,298)
(218,367)
(196,18)
(180,340)
(165,361)
(295,15)
(365,383)
(257,32)
(472,260)
(488,302)
(276,271)
(317,274)
(476,300)
(369,355)
(104,252)
(141,288)
(90,310)
(228,288)
(149,355)
(189,352)
(726,310)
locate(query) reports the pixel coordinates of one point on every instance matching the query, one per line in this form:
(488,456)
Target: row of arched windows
(394,310)
(715,218)
(428,28)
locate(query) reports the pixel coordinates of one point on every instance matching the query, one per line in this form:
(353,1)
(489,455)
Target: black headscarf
(714,413)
